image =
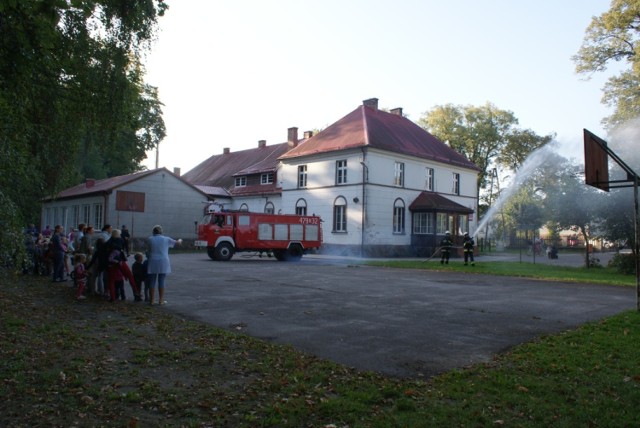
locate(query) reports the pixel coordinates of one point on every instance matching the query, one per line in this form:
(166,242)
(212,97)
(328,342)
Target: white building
(382,185)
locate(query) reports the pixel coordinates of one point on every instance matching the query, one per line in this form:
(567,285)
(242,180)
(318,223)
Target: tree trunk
(585,235)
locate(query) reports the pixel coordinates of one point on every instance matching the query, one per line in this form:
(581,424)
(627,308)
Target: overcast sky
(233,72)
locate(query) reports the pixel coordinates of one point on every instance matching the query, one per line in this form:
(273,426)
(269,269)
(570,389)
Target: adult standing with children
(158,263)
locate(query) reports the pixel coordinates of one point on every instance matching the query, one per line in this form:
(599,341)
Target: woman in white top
(158,264)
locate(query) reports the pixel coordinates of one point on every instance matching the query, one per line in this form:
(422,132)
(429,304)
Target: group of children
(117,273)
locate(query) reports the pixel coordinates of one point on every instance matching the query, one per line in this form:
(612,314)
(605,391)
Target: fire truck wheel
(223,252)
(280,255)
(211,252)
(294,253)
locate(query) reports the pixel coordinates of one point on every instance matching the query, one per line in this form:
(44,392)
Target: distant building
(382,185)
(140,201)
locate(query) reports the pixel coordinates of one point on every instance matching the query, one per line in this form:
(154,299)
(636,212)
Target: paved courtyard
(405,323)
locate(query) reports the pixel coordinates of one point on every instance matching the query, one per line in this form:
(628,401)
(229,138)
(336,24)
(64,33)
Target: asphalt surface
(403,323)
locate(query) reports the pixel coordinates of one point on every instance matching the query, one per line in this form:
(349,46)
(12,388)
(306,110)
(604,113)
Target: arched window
(244,207)
(301,207)
(398,216)
(340,214)
(269,208)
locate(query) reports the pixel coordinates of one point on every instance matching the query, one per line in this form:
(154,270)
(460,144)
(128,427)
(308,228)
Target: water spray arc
(536,159)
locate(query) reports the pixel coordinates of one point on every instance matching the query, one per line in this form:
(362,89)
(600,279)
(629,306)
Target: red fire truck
(286,236)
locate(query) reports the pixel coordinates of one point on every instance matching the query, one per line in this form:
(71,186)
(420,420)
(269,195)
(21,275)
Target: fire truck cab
(286,236)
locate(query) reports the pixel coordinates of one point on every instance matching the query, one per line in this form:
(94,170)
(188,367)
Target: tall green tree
(571,205)
(486,135)
(611,38)
(72,95)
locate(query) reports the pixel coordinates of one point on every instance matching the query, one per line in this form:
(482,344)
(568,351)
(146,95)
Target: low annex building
(139,200)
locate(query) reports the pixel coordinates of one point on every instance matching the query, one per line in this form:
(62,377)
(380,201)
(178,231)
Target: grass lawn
(65,363)
(600,275)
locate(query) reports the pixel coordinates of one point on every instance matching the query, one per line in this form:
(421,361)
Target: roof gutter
(365,178)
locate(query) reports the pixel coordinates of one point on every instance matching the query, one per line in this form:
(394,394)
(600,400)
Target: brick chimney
(308,134)
(262,143)
(226,151)
(292,138)
(89,183)
(397,111)
(371,102)
(176,171)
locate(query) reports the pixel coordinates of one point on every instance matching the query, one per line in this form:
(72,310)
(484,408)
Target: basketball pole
(637,245)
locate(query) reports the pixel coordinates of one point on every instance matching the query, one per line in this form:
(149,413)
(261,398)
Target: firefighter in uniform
(445,247)
(467,245)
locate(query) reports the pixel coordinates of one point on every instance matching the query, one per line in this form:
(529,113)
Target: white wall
(168,202)
(380,192)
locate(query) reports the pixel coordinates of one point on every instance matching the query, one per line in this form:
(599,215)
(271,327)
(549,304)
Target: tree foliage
(610,38)
(72,95)
(486,135)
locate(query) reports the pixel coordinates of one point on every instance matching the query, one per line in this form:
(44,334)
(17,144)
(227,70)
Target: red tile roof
(219,170)
(428,201)
(91,187)
(370,127)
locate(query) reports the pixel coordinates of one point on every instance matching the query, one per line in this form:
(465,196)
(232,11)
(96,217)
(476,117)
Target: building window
(86,215)
(301,207)
(97,216)
(269,208)
(398,216)
(456,183)
(463,224)
(423,223)
(340,215)
(266,178)
(341,172)
(398,176)
(441,223)
(75,217)
(65,219)
(241,181)
(302,176)
(429,179)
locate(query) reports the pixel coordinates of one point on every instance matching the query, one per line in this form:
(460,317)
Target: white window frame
(340,215)
(97,216)
(423,223)
(86,215)
(75,216)
(341,171)
(266,178)
(398,216)
(302,176)
(442,224)
(456,183)
(429,179)
(301,207)
(241,181)
(398,174)
(463,224)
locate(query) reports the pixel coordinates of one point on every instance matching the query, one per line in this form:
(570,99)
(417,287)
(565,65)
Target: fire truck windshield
(217,219)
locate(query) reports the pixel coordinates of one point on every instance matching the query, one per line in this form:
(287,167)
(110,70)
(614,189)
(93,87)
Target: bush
(624,263)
